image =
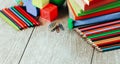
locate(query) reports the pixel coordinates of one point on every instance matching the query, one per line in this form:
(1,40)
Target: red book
(88,2)
(75,17)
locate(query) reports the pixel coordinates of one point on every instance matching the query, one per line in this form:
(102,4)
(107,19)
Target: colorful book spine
(104,12)
(100,19)
(95,5)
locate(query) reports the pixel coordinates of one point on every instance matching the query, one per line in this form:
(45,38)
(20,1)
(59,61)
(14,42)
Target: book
(104,12)
(85,7)
(79,12)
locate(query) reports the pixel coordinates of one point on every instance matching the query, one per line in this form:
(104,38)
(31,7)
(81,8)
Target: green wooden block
(58,2)
(40,3)
(9,21)
(104,34)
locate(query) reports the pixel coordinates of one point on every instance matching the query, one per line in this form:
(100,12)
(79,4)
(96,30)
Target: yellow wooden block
(40,3)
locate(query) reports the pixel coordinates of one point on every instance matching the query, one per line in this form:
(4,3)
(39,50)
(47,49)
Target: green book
(80,12)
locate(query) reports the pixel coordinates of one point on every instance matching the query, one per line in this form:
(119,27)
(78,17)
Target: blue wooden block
(30,8)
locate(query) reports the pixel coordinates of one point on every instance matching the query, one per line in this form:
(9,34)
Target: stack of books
(97,21)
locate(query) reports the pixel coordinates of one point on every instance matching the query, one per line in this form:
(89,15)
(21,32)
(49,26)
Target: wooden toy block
(50,12)
(40,3)
(30,8)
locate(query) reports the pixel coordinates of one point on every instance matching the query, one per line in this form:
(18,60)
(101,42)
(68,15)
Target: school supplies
(18,18)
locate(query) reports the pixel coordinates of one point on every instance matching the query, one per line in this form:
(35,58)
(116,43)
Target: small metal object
(61,27)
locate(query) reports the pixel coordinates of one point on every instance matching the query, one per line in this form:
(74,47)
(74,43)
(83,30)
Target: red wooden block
(49,12)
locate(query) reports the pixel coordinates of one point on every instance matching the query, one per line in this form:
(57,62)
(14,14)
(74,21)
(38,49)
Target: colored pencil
(100,25)
(24,13)
(13,16)
(105,37)
(110,47)
(9,21)
(12,20)
(102,29)
(108,41)
(103,34)
(19,17)
(25,19)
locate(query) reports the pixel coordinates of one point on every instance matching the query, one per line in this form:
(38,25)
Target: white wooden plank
(111,57)
(12,42)
(65,47)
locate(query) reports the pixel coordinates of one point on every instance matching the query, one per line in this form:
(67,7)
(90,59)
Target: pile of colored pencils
(97,21)
(18,18)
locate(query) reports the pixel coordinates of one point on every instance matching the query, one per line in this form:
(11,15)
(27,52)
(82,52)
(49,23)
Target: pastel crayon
(12,15)
(12,20)
(100,25)
(102,29)
(104,34)
(9,21)
(24,13)
(99,19)
(108,41)
(110,47)
(105,37)
(19,17)
(25,19)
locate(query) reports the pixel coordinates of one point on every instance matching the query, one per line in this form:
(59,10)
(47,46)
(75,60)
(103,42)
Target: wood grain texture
(12,42)
(66,47)
(111,57)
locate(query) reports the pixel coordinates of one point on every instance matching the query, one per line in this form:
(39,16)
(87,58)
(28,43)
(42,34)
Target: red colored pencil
(24,13)
(13,16)
(100,25)
(102,29)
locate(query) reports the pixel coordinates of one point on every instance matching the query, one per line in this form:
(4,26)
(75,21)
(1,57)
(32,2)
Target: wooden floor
(40,46)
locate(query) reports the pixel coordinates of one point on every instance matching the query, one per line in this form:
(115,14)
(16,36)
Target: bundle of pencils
(18,18)
(97,21)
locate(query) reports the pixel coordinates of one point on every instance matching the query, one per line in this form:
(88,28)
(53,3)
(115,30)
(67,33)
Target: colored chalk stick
(105,37)
(13,16)
(12,20)
(30,18)
(19,17)
(24,19)
(111,47)
(102,29)
(40,3)
(9,21)
(49,12)
(103,34)
(100,25)
(108,41)
(99,19)
(30,8)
